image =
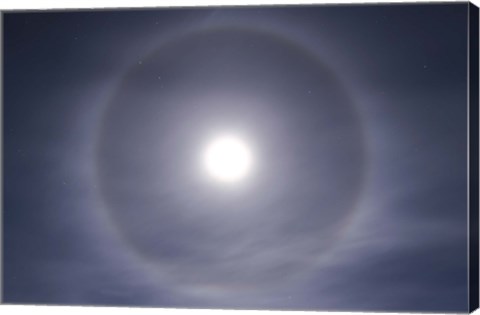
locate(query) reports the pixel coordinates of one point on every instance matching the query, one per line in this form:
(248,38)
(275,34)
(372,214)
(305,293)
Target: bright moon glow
(228,159)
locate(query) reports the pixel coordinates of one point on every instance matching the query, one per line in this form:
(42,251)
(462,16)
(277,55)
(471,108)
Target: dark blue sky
(358,120)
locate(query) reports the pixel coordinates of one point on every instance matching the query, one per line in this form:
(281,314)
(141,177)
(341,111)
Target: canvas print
(304,157)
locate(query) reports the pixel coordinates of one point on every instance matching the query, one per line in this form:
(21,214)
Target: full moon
(228,159)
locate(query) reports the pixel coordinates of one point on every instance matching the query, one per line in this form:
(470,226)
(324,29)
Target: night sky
(356,117)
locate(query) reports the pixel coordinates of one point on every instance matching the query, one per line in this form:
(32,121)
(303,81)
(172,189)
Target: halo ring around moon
(170,257)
